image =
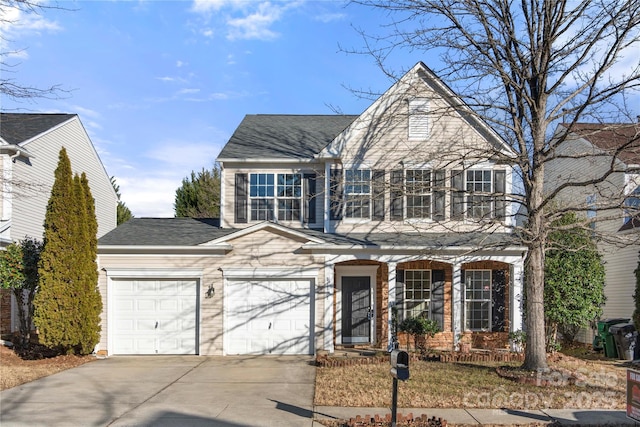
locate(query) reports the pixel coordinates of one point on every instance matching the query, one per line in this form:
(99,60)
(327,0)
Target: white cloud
(207,6)
(16,22)
(169,79)
(180,64)
(245,19)
(255,25)
(187,91)
(330,17)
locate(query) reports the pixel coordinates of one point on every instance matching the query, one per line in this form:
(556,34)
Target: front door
(356,310)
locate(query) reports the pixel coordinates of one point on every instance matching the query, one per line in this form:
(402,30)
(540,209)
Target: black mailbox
(400,365)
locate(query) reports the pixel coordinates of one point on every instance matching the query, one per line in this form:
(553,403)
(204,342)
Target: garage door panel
(264,316)
(155,316)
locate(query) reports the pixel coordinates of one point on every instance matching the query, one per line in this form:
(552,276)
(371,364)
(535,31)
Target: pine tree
(67,306)
(199,197)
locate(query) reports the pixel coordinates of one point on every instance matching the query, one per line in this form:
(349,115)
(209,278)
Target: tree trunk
(535,356)
(23,316)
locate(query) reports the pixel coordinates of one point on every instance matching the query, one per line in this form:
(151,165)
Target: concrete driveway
(168,391)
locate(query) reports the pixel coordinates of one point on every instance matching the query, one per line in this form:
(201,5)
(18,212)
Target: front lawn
(598,384)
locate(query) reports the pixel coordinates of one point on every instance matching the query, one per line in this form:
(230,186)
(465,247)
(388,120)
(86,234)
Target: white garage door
(154,316)
(268,317)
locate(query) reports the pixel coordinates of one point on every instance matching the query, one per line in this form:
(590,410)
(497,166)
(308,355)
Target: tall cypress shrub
(67,306)
(91,302)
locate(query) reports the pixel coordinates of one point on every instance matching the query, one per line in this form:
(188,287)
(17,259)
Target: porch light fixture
(210,291)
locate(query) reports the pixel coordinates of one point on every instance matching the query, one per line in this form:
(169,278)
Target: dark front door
(356,310)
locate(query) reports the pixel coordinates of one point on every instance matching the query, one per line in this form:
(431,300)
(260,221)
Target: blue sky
(160,86)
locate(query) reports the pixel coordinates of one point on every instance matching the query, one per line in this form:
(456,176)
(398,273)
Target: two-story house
(330,227)
(29,149)
(596,172)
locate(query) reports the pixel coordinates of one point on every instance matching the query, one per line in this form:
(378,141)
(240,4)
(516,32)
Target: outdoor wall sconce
(210,291)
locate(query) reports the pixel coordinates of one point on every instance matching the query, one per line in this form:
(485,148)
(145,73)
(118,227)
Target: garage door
(268,317)
(154,316)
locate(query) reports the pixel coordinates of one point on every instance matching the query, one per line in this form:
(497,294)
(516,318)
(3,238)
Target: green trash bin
(607,338)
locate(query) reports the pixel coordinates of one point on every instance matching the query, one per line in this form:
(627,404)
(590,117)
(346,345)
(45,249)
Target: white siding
(261,250)
(620,280)
(35,177)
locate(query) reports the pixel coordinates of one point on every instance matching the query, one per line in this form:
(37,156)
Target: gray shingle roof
(273,136)
(195,231)
(423,240)
(18,127)
(164,232)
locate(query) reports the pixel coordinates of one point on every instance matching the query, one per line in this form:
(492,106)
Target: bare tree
(10,87)
(525,68)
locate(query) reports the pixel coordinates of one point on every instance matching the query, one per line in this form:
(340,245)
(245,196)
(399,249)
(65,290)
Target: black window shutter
(437,297)
(439,195)
(396,196)
(457,195)
(378,195)
(499,284)
(241,195)
(335,194)
(499,178)
(310,198)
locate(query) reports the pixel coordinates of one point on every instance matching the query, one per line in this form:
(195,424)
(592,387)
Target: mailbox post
(399,371)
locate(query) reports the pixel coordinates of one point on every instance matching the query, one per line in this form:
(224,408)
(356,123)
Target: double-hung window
(261,195)
(477,300)
(275,196)
(418,187)
(417,293)
(357,191)
(479,199)
(289,193)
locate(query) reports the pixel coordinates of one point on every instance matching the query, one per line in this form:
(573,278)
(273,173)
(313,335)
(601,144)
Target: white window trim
(275,197)
(351,220)
(404,292)
(465,300)
(406,194)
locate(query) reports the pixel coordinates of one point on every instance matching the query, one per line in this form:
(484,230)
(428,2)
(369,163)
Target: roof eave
(219,249)
(411,248)
(264,160)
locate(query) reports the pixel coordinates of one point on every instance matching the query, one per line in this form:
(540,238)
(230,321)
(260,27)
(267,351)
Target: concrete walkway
(576,417)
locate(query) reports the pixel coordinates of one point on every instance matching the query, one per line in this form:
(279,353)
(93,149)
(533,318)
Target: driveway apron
(168,391)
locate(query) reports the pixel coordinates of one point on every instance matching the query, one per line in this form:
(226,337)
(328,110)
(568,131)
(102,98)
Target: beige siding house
(29,149)
(596,173)
(331,229)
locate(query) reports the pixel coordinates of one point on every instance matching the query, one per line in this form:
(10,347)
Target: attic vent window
(418,119)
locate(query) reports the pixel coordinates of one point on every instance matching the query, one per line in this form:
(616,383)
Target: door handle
(156,327)
(269,325)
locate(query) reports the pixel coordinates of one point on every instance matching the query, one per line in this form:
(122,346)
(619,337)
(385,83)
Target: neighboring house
(606,158)
(29,149)
(329,225)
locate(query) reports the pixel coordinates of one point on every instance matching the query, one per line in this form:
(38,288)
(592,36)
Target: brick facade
(445,339)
